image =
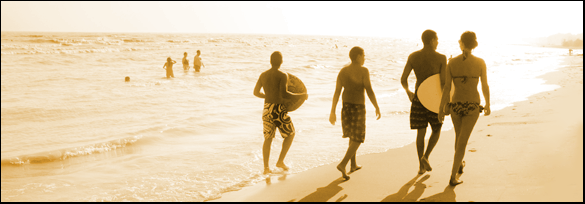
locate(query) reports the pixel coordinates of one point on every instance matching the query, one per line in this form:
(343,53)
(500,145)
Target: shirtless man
(354,79)
(185,62)
(275,114)
(197,62)
(425,62)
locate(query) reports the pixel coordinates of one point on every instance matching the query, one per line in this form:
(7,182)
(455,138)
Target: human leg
(353,166)
(351,150)
(285,146)
(433,119)
(420,148)
(266,154)
(467,124)
(432,142)
(269,130)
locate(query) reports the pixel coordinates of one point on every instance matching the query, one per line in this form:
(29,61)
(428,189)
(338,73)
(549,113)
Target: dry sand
(532,151)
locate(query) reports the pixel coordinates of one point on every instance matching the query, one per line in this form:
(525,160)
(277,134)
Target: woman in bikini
(169,67)
(464,71)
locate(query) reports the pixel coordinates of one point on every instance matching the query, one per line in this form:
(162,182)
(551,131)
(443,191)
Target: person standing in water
(169,67)
(425,63)
(197,62)
(354,79)
(464,71)
(275,114)
(185,62)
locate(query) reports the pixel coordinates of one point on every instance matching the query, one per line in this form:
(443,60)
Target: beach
(74,130)
(531,151)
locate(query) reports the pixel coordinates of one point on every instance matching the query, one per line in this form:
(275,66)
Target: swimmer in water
(185,62)
(197,62)
(169,67)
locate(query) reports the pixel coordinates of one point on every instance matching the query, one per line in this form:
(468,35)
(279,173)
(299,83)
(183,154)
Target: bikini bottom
(463,108)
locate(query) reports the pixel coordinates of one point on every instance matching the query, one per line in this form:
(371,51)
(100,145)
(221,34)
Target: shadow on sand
(403,196)
(448,195)
(323,194)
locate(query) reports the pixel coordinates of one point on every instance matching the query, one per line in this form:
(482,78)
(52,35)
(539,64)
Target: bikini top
(464,78)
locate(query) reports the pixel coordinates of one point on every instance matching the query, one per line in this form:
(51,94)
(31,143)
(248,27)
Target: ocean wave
(63,154)
(34,50)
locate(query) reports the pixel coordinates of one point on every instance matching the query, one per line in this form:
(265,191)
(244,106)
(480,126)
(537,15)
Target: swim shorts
(197,67)
(421,116)
(276,115)
(463,108)
(170,72)
(353,121)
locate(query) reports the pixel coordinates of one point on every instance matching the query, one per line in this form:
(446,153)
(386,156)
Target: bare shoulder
(365,70)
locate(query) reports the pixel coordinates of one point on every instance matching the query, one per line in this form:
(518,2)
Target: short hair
(127,78)
(198,51)
(276,58)
(469,40)
(185,53)
(354,52)
(428,36)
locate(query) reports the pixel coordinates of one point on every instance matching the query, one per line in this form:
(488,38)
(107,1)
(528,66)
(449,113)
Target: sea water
(74,130)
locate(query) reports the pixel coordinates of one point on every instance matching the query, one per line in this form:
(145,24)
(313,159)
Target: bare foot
(352,169)
(345,176)
(421,170)
(283,166)
(454,182)
(461,167)
(267,170)
(426,164)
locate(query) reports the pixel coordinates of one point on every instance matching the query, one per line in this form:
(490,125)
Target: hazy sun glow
(501,21)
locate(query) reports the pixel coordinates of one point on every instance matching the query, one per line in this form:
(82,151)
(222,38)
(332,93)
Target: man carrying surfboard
(425,63)
(275,114)
(354,79)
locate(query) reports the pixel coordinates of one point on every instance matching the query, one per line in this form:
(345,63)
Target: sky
(499,21)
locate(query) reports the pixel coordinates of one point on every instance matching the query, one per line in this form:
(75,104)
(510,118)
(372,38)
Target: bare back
(352,80)
(273,80)
(425,63)
(465,75)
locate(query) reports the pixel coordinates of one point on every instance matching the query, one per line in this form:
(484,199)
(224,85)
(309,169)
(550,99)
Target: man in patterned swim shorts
(425,63)
(275,114)
(354,79)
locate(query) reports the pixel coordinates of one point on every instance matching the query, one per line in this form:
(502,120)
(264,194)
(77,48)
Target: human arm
(485,89)
(370,91)
(257,88)
(404,79)
(446,96)
(443,69)
(338,86)
(164,66)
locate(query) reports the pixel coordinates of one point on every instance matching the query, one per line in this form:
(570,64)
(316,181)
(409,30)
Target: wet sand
(531,151)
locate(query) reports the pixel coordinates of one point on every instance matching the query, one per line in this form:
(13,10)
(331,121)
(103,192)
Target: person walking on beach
(464,71)
(197,62)
(169,67)
(354,79)
(185,62)
(275,114)
(425,63)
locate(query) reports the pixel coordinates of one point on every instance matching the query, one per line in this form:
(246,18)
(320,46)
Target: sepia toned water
(73,130)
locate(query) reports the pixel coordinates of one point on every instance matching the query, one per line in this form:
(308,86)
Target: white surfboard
(429,92)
